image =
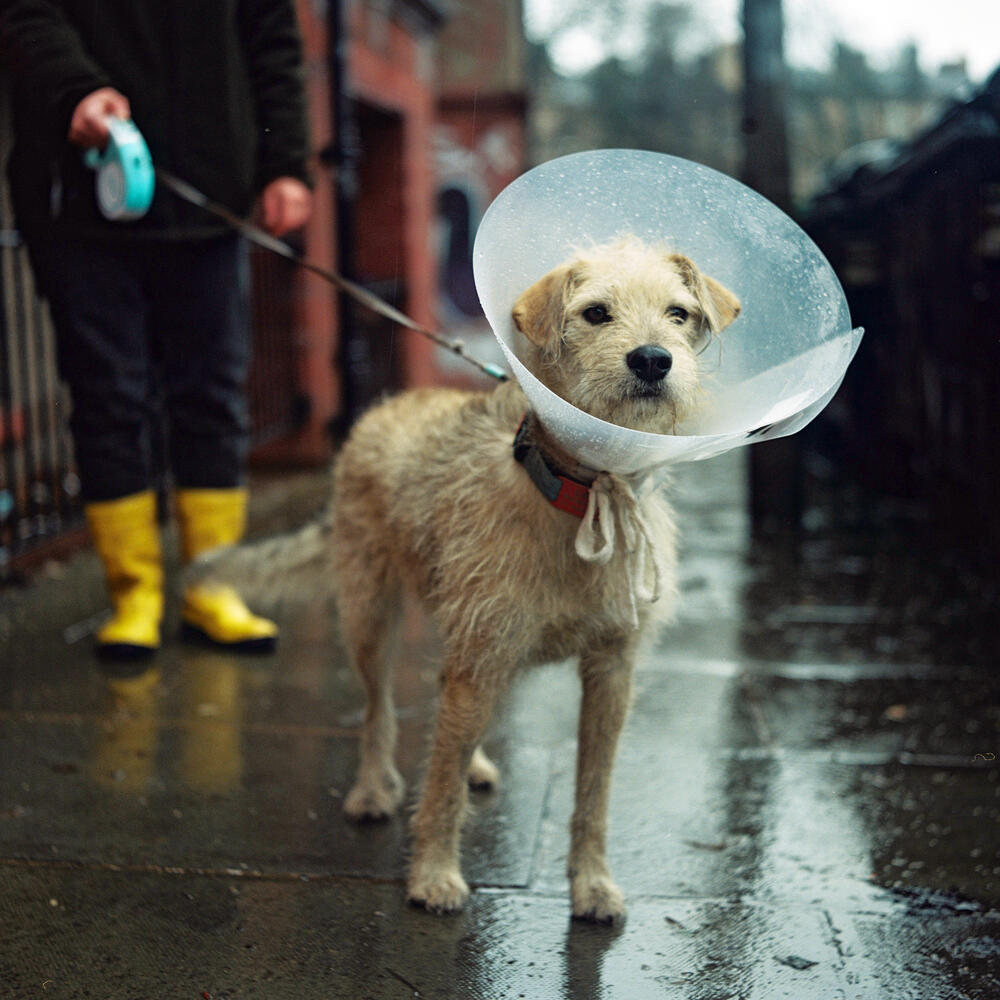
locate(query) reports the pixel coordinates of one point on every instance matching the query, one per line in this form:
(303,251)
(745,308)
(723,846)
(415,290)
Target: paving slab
(138,934)
(806,800)
(214,795)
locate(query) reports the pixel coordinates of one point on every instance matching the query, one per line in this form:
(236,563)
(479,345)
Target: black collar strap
(564,492)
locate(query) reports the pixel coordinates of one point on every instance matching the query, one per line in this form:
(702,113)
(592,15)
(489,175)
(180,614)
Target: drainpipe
(344,153)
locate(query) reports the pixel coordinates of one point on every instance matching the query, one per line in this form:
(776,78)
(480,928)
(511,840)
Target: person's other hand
(285,205)
(88,126)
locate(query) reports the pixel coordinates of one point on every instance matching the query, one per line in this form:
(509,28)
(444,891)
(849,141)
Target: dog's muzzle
(650,363)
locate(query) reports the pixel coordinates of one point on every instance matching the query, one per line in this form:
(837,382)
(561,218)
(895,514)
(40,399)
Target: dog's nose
(649,362)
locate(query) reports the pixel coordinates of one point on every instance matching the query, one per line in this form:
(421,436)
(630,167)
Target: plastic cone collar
(768,374)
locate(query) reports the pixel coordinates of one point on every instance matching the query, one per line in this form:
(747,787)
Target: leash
(126,179)
(360,295)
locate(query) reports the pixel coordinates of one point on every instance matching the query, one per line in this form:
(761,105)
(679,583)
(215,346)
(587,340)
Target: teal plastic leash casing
(126,178)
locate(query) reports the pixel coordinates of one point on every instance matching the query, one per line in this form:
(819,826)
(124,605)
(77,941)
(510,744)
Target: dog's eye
(597,314)
(677,314)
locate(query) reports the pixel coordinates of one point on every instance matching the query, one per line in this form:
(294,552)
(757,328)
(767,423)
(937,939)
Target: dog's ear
(725,305)
(717,303)
(540,310)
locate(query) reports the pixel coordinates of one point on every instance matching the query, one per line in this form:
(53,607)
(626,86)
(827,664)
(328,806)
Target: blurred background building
(422,111)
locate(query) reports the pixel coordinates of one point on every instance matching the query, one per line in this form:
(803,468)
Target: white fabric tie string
(613,509)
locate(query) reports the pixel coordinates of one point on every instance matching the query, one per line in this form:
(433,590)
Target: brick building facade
(432,124)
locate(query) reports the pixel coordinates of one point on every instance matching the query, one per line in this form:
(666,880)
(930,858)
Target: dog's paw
(437,890)
(484,775)
(597,899)
(375,799)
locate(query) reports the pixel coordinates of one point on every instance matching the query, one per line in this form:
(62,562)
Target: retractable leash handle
(126,178)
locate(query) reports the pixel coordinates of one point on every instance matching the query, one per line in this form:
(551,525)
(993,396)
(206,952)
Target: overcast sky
(944,30)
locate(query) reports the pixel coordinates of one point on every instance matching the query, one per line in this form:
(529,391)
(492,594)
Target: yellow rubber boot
(127,539)
(210,519)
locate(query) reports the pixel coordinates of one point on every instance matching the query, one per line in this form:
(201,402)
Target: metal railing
(39,489)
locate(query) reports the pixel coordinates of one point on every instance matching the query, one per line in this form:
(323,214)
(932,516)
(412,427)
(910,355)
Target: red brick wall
(482,48)
(392,70)
(394,74)
(314,332)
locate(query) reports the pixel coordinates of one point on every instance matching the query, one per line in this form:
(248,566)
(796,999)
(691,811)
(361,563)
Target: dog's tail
(293,568)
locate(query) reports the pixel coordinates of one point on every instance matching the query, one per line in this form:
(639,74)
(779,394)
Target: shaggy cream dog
(522,554)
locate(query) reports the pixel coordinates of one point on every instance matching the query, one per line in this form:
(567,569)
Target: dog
(522,554)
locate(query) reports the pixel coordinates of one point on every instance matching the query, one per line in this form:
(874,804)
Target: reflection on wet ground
(805,805)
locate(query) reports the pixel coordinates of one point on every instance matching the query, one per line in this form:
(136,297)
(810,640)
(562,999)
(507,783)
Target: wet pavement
(806,801)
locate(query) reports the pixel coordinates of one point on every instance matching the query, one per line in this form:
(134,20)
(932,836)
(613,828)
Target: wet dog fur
(428,496)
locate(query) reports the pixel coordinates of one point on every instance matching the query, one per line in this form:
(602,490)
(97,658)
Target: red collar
(564,492)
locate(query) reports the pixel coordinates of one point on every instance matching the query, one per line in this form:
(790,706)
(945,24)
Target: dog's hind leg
(435,879)
(368,619)
(607,688)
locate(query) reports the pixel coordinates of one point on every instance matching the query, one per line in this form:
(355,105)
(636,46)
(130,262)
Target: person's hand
(284,205)
(88,126)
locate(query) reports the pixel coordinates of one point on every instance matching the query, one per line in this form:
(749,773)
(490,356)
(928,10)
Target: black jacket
(215,86)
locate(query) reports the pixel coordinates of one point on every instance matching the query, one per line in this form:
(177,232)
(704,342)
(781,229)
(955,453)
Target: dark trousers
(152,339)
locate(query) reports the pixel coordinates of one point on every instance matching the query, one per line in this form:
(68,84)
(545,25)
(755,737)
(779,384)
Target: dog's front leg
(435,877)
(607,690)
